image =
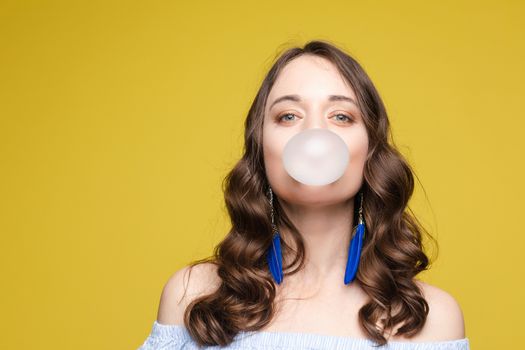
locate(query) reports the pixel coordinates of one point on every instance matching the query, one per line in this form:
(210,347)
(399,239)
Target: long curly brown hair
(392,253)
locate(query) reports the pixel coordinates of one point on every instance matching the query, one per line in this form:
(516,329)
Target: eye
(280,118)
(348,119)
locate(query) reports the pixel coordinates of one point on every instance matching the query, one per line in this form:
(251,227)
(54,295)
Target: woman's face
(312,79)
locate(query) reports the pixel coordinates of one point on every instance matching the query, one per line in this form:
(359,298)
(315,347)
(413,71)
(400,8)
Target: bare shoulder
(182,287)
(445,317)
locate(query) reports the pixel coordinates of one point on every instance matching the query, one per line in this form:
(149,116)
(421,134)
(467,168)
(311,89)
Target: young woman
(313,266)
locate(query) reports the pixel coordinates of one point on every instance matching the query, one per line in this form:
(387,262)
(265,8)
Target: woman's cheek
(273,161)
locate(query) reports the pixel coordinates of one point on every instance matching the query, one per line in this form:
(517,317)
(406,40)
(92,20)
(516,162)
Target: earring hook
(271,207)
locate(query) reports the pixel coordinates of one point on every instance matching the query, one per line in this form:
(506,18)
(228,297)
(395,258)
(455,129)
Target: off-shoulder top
(175,337)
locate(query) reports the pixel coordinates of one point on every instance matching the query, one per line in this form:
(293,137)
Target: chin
(301,194)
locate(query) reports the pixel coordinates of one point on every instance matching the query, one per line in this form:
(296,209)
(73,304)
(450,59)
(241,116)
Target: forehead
(312,77)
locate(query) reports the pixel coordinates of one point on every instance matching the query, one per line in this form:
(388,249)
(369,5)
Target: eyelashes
(347,119)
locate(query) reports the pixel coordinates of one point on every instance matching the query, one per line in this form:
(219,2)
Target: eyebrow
(297,98)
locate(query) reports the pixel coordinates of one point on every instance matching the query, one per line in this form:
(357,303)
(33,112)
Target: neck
(326,232)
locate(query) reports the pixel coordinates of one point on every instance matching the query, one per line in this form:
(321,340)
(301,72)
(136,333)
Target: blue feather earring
(274,254)
(356,244)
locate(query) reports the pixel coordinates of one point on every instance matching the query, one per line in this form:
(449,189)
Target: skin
(321,213)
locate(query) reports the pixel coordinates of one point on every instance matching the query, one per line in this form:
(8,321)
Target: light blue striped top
(175,337)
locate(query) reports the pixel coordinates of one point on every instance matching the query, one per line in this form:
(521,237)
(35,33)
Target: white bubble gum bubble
(316,157)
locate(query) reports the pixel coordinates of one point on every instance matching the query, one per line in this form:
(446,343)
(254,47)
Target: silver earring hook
(361,209)
(271,206)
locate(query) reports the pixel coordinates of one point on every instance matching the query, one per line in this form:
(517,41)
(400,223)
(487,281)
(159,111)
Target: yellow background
(119,120)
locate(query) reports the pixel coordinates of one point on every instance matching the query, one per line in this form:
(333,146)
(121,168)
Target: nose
(315,120)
